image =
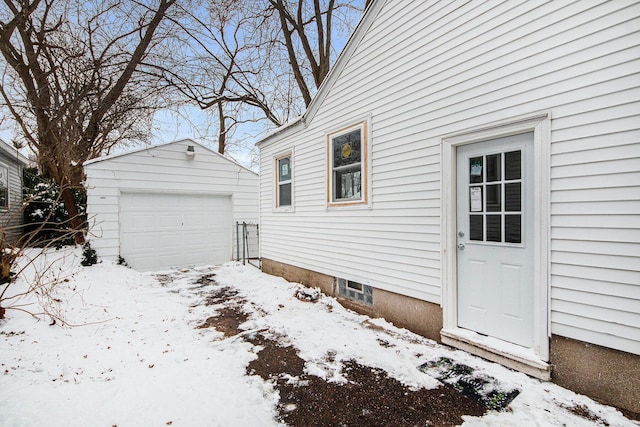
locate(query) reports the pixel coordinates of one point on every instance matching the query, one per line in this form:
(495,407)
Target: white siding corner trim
(539,124)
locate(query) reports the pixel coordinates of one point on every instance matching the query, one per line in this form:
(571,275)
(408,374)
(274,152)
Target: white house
(169,205)
(471,171)
(12,164)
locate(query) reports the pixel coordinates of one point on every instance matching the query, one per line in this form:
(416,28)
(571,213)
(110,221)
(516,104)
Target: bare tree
(258,61)
(74,79)
(297,23)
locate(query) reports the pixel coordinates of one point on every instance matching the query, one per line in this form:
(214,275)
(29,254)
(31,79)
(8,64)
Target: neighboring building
(11,165)
(471,171)
(170,205)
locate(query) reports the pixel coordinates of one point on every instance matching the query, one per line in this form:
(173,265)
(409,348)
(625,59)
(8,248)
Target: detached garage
(170,205)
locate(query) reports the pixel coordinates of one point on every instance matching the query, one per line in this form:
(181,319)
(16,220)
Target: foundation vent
(355,291)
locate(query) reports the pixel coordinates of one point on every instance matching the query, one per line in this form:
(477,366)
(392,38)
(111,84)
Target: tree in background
(258,61)
(81,77)
(75,80)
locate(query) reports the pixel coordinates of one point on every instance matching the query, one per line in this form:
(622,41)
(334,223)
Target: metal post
(237,242)
(244,243)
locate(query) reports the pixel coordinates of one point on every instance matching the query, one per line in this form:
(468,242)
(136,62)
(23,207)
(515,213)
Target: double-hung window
(348,166)
(283,181)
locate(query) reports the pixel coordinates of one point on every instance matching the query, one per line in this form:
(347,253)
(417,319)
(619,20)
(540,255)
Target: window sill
(348,206)
(288,209)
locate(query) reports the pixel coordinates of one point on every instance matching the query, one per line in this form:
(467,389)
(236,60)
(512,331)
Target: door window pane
(512,197)
(512,162)
(475,227)
(475,170)
(512,229)
(494,167)
(475,199)
(494,228)
(494,198)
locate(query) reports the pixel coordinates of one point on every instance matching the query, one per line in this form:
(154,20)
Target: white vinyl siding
(428,69)
(163,169)
(11,215)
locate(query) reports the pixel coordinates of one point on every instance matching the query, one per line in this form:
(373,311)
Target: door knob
(460,246)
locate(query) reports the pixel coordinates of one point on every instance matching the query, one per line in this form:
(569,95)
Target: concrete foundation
(421,317)
(607,375)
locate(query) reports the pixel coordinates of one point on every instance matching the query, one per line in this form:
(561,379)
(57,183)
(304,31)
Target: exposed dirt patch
(369,398)
(584,412)
(227,321)
(206,279)
(164,279)
(274,360)
(631,415)
(220,295)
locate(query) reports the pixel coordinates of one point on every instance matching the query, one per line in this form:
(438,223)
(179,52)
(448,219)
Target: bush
(89,256)
(44,211)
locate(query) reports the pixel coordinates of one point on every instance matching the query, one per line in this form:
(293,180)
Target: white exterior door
(495,285)
(163,230)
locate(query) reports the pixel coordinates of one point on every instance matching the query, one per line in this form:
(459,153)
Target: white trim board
(538,355)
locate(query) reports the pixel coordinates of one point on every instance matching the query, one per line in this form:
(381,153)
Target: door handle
(461,246)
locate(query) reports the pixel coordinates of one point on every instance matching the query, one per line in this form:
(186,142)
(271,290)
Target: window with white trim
(348,166)
(4,186)
(284,180)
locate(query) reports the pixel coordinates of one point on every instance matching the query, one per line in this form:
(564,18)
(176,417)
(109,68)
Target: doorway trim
(534,360)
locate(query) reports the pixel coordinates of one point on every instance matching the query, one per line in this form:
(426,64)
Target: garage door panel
(137,222)
(160,231)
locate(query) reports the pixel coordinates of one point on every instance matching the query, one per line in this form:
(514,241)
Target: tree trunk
(222,132)
(77,225)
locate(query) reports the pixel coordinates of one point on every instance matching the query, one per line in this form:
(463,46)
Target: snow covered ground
(131,355)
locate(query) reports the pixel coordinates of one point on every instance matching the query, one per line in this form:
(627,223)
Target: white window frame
(365,147)
(276,199)
(6,183)
(540,125)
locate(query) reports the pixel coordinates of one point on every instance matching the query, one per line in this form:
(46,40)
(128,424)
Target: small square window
(284,181)
(347,165)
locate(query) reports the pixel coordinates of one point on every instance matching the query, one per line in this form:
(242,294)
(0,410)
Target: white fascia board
(138,150)
(286,129)
(151,147)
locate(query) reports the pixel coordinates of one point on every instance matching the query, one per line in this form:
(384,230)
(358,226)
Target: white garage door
(159,231)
